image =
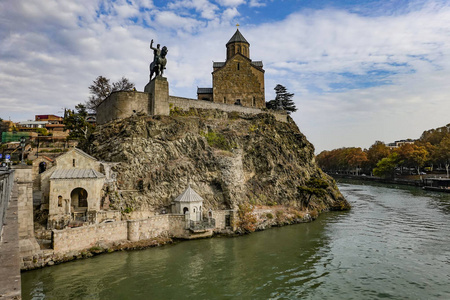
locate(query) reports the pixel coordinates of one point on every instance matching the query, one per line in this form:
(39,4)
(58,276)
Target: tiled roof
(76,174)
(204,90)
(218,64)
(257,63)
(189,195)
(237,38)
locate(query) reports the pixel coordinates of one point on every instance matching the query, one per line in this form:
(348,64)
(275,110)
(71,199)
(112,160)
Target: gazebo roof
(189,195)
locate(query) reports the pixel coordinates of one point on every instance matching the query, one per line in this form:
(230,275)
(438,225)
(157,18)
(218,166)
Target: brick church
(238,80)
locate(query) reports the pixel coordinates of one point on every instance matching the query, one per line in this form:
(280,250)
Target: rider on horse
(159,60)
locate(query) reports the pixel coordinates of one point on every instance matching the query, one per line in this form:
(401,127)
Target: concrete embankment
(418,183)
(10,285)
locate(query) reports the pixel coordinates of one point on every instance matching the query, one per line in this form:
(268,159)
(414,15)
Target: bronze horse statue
(159,64)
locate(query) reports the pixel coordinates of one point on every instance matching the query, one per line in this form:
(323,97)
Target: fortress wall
(121,105)
(186,103)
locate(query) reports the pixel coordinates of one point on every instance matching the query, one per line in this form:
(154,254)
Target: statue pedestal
(158,98)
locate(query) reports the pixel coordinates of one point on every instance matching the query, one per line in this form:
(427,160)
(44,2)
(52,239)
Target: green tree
(377,152)
(386,166)
(101,88)
(313,187)
(283,100)
(76,122)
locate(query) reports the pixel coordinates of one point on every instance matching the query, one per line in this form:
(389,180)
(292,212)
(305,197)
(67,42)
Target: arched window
(185,210)
(238,49)
(238,66)
(60,201)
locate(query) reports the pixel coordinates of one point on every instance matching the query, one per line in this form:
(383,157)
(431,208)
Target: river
(393,244)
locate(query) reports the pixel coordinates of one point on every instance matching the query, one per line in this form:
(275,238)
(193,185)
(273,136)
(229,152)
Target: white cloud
(206,9)
(256,3)
(232,3)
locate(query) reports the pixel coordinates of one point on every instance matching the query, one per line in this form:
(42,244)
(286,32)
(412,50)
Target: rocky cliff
(229,159)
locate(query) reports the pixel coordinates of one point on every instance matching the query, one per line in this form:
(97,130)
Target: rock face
(229,158)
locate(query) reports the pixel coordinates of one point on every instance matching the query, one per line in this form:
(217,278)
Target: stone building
(72,189)
(238,80)
(189,203)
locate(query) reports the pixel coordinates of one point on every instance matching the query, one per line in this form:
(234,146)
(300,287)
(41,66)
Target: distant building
(54,123)
(400,143)
(238,80)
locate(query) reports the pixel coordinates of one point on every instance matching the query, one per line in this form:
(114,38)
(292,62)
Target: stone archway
(42,167)
(79,197)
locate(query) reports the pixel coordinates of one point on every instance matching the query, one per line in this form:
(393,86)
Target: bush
(217,140)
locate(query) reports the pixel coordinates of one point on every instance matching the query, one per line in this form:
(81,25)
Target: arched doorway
(42,167)
(79,197)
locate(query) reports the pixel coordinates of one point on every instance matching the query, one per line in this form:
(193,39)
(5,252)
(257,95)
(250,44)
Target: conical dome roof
(189,195)
(237,38)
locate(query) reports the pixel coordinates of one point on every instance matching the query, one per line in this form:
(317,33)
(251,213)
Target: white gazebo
(188,202)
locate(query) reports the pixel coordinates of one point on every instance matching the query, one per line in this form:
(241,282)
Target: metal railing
(205,224)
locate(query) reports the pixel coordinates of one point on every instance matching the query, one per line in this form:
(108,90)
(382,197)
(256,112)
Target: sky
(361,71)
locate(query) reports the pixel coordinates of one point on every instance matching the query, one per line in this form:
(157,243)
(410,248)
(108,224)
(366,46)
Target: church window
(73,162)
(224,99)
(254,102)
(238,49)
(238,66)
(60,201)
(185,210)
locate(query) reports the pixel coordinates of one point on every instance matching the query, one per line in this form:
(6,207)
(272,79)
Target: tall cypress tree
(283,100)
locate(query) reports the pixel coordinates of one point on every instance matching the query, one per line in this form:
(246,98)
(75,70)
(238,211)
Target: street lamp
(22,145)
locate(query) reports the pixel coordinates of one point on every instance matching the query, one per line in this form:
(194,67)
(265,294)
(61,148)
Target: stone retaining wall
(85,237)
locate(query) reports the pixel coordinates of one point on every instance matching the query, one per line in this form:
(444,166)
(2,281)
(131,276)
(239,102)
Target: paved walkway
(10,285)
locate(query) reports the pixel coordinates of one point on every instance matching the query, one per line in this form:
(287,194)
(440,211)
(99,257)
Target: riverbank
(401,181)
(257,218)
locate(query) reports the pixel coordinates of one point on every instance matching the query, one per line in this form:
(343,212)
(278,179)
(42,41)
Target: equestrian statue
(159,60)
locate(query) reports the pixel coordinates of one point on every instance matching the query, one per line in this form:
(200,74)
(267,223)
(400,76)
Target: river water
(394,244)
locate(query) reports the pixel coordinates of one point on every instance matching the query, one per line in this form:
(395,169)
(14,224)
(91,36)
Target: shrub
(246,218)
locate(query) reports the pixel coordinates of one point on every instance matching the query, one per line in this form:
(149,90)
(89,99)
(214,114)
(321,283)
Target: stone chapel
(238,80)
